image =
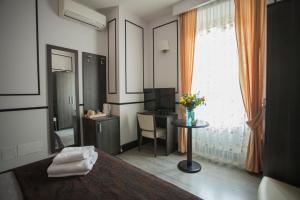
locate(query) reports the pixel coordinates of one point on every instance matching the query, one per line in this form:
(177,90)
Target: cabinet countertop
(104,118)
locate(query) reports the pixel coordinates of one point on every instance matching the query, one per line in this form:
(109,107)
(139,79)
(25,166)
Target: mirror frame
(50,96)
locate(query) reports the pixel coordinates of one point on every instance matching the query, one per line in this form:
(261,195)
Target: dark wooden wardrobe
(282,138)
(102,132)
(94,81)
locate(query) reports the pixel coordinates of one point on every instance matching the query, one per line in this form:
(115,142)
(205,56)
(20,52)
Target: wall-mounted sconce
(164,46)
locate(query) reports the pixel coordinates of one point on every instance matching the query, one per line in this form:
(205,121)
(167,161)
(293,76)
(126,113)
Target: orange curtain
(250,22)
(187,47)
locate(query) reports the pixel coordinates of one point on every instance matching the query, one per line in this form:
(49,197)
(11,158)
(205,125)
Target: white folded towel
(68,149)
(94,157)
(69,174)
(73,168)
(71,156)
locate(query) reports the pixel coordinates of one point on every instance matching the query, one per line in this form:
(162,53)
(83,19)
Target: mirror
(63,97)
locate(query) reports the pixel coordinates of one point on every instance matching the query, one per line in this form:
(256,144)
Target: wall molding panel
(176,53)
(131,60)
(37,62)
(115,89)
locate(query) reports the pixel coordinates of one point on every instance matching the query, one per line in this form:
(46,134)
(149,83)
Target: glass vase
(190,116)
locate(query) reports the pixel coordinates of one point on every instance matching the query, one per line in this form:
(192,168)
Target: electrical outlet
(9,153)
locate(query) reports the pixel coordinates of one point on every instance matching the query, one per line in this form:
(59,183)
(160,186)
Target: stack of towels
(73,161)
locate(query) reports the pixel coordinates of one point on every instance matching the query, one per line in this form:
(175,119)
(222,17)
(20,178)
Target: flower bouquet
(190,102)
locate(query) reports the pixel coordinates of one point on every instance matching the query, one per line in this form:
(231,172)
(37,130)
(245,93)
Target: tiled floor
(213,182)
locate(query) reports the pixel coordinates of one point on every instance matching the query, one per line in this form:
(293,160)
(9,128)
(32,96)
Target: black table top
(197,124)
(159,113)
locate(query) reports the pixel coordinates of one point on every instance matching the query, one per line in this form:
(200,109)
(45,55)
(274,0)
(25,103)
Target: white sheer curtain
(216,77)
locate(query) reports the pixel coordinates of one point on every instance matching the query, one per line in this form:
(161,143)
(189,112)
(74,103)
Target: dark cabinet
(103,133)
(282,134)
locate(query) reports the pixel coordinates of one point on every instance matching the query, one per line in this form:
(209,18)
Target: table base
(192,168)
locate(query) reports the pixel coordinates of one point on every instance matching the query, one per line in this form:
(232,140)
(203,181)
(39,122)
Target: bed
(111,178)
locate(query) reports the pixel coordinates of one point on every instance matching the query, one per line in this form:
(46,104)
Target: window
(216,77)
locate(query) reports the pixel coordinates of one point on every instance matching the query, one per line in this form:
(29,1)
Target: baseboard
(133,144)
(130,145)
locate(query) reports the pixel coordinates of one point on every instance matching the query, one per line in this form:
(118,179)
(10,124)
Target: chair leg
(155,147)
(140,142)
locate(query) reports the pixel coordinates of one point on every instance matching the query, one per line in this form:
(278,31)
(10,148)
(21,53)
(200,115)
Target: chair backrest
(146,121)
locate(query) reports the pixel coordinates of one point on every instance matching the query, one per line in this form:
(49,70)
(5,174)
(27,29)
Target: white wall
(18,40)
(31,127)
(165,63)
(21,129)
(124,15)
(114,54)
(128,122)
(134,58)
(166,76)
(127,112)
(24,137)
(61,32)
(111,57)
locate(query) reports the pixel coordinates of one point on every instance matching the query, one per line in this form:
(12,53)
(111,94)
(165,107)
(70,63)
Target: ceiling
(145,9)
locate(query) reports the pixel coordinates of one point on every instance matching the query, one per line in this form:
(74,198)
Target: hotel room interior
(150,99)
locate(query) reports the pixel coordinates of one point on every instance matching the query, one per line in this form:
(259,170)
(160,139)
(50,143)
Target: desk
(165,120)
(189,165)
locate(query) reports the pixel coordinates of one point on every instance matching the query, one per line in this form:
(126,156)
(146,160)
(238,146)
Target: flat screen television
(159,99)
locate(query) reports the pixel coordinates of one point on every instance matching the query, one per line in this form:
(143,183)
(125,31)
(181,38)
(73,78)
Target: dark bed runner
(111,178)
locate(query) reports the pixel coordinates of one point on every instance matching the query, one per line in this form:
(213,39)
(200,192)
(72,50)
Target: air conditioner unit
(77,12)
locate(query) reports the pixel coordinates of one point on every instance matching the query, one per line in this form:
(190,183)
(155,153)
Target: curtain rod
(185,6)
